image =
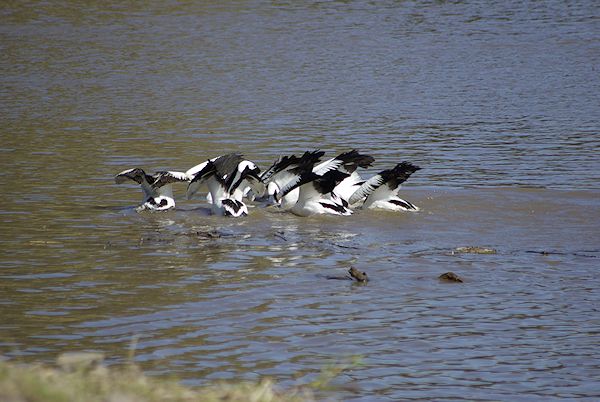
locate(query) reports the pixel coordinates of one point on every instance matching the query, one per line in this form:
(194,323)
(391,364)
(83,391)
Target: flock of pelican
(302,185)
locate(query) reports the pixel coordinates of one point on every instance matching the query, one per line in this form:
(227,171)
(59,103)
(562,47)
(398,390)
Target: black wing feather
(352,160)
(326,183)
(138,175)
(165,177)
(399,174)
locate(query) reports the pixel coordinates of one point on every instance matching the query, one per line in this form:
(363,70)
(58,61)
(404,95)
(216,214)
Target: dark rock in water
(203,234)
(450,277)
(358,275)
(213,234)
(355,274)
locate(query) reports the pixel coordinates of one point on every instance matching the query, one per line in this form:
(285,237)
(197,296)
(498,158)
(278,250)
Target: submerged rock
(212,234)
(203,234)
(450,277)
(474,250)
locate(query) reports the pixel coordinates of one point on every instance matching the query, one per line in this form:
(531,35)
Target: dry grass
(92,382)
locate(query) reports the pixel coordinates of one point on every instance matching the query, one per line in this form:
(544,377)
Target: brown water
(498,103)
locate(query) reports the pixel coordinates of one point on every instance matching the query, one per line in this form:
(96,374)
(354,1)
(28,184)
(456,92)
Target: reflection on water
(497,103)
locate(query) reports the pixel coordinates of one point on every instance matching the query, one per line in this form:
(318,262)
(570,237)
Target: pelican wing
(245,170)
(328,165)
(226,167)
(399,174)
(282,163)
(391,177)
(198,178)
(326,183)
(136,174)
(296,181)
(366,189)
(346,162)
(279,171)
(191,172)
(168,177)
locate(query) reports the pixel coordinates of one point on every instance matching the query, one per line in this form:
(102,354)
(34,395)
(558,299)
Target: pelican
(315,193)
(226,177)
(381,190)
(157,188)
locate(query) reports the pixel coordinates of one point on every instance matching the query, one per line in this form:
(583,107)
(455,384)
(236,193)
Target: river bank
(83,377)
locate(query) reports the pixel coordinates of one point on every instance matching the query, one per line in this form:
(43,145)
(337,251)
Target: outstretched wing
(191,172)
(366,189)
(167,177)
(207,170)
(321,184)
(326,183)
(347,162)
(391,177)
(328,165)
(279,172)
(352,160)
(136,174)
(226,167)
(282,163)
(399,174)
(296,181)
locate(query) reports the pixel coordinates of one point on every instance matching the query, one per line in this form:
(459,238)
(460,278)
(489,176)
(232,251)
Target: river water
(498,103)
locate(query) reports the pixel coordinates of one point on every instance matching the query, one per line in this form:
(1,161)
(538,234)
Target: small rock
(450,277)
(475,250)
(358,275)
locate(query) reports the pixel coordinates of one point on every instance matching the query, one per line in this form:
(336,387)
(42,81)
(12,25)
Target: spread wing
(136,174)
(321,184)
(391,177)
(296,181)
(199,177)
(279,171)
(283,162)
(191,172)
(226,167)
(328,165)
(346,162)
(399,174)
(366,189)
(168,177)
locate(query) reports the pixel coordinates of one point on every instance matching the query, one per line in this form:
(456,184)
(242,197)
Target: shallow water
(497,103)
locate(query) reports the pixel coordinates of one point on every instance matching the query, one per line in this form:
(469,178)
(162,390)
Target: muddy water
(498,104)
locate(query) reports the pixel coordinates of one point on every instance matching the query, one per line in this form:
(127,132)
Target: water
(497,103)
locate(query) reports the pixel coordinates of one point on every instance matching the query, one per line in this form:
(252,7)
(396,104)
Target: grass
(92,382)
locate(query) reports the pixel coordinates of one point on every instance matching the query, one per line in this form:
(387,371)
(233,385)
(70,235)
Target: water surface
(497,103)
